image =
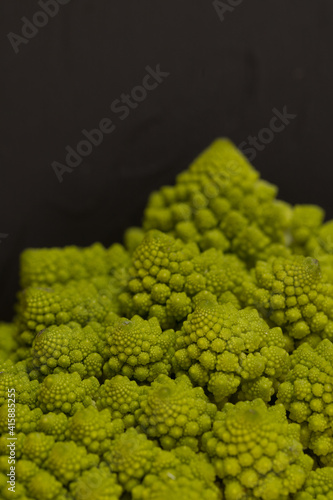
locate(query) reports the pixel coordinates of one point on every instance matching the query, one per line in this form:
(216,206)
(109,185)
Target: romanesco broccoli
(192,362)
(256,452)
(175,413)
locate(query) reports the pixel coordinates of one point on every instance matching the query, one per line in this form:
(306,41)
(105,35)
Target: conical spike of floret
(220,201)
(256,452)
(293,294)
(47,266)
(139,349)
(226,349)
(174,412)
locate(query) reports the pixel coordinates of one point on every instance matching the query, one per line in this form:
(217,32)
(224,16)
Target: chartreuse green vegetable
(181,474)
(53,424)
(307,394)
(166,275)
(131,457)
(257,452)
(17,377)
(225,349)
(26,420)
(220,202)
(193,362)
(97,483)
(318,485)
(312,237)
(68,348)
(160,278)
(37,447)
(295,295)
(8,344)
(121,397)
(66,392)
(139,349)
(41,267)
(149,472)
(175,413)
(93,429)
(77,301)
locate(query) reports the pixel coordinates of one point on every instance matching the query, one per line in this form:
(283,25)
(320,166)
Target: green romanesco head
(132,238)
(37,447)
(20,439)
(8,342)
(222,274)
(166,276)
(307,394)
(220,202)
(224,349)
(161,267)
(121,397)
(139,349)
(66,392)
(47,266)
(178,474)
(68,348)
(318,485)
(93,429)
(305,222)
(256,452)
(320,246)
(96,483)
(25,420)
(78,301)
(25,470)
(16,377)
(53,424)
(131,457)
(294,296)
(67,461)
(174,412)
(45,486)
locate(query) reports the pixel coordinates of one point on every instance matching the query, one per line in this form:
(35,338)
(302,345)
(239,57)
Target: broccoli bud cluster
(192,362)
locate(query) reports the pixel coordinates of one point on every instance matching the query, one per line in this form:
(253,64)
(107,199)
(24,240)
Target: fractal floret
(318,485)
(45,267)
(66,392)
(257,452)
(226,350)
(139,349)
(121,397)
(175,413)
(68,348)
(192,361)
(294,294)
(307,395)
(220,202)
(180,474)
(167,274)
(162,268)
(93,429)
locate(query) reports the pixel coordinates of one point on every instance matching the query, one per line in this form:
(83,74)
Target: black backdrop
(226,66)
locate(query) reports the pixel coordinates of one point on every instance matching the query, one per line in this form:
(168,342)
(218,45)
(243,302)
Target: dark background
(225,79)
